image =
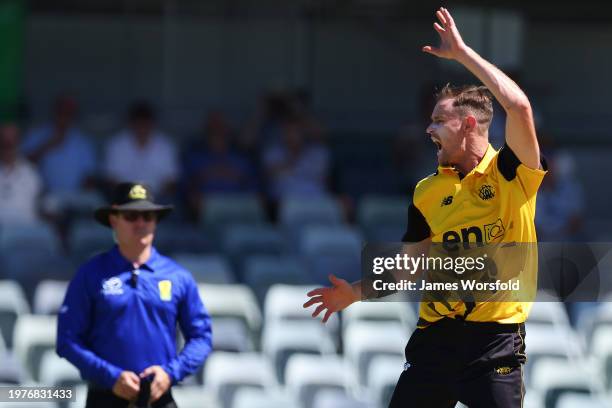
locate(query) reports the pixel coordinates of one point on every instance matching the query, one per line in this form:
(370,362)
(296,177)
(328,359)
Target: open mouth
(437,143)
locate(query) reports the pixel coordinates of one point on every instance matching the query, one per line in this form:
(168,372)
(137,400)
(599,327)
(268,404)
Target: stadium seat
(38,404)
(546,341)
(580,400)
(221,209)
(332,249)
(263,271)
(284,302)
(338,399)
(207,268)
(258,398)
(280,340)
(307,375)
(385,311)
(192,397)
(173,237)
(241,241)
(330,240)
(56,371)
(533,399)
(376,210)
(40,236)
(600,316)
(79,203)
(601,353)
(49,296)
(11,370)
(30,265)
(237,301)
(553,377)
(225,373)
(548,312)
(232,335)
(343,266)
(385,233)
(13,303)
(296,213)
(87,238)
(81,397)
(364,340)
(33,335)
(382,377)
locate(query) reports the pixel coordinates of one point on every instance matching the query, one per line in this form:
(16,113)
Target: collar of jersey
(480,167)
(123,263)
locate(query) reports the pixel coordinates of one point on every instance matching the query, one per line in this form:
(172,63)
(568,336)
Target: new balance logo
(446,201)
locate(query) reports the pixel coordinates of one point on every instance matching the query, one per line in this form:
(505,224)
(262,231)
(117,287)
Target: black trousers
(478,364)
(98,398)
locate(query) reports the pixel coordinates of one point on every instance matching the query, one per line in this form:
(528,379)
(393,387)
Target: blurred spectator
(213,165)
(295,166)
(559,212)
(409,156)
(20,184)
(64,154)
(142,152)
(264,128)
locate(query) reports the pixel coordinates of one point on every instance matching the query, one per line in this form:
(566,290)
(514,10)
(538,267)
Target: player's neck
(475,151)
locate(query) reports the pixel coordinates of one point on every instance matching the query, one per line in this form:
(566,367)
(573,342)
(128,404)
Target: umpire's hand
(161,381)
(127,385)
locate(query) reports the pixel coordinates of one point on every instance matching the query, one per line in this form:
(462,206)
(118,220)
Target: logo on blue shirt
(112,286)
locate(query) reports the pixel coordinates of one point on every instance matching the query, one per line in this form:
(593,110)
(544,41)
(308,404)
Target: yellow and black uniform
(472,352)
(492,204)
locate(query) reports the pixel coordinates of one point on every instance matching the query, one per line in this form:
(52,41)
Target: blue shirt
(65,167)
(106,326)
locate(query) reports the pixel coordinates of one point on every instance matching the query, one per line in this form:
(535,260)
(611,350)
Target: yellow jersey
(492,204)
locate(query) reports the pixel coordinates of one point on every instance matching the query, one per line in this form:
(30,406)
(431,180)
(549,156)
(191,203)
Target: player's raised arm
(520,129)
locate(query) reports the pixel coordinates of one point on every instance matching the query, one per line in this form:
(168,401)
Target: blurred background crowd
(286,134)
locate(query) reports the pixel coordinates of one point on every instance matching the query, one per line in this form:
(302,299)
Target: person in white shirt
(295,166)
(20,184)
(142,152)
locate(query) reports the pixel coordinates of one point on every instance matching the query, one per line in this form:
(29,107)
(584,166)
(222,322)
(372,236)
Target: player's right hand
(451,43)
(127,385)
(335,298)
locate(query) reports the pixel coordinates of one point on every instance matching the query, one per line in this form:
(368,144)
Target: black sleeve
(507,162)
(417,228)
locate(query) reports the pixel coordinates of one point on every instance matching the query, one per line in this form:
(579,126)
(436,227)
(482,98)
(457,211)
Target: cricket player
(472,352)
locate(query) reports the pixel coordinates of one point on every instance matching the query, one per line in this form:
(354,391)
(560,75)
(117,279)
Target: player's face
(445,132)
(134,228)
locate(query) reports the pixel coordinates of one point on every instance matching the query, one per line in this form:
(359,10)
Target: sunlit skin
(460,141)
(135,239)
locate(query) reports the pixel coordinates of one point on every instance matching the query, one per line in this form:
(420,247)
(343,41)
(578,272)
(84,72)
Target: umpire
(117,324)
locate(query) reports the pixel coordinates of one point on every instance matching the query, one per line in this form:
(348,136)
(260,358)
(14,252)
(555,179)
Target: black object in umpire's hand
(144,395)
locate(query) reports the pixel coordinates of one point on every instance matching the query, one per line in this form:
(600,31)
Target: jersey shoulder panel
(431,183)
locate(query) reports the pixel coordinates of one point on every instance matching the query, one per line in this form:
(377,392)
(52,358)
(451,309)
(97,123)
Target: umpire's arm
(195,324)
(73,322)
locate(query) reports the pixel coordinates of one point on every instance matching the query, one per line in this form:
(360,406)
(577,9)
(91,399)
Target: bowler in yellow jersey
(467,351)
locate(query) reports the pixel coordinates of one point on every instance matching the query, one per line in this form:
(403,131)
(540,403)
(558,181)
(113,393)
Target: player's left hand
(161,381)
(451,43)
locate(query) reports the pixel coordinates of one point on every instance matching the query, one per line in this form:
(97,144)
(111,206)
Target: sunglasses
(132,216)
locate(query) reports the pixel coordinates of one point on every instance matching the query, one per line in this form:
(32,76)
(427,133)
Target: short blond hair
(473,99)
